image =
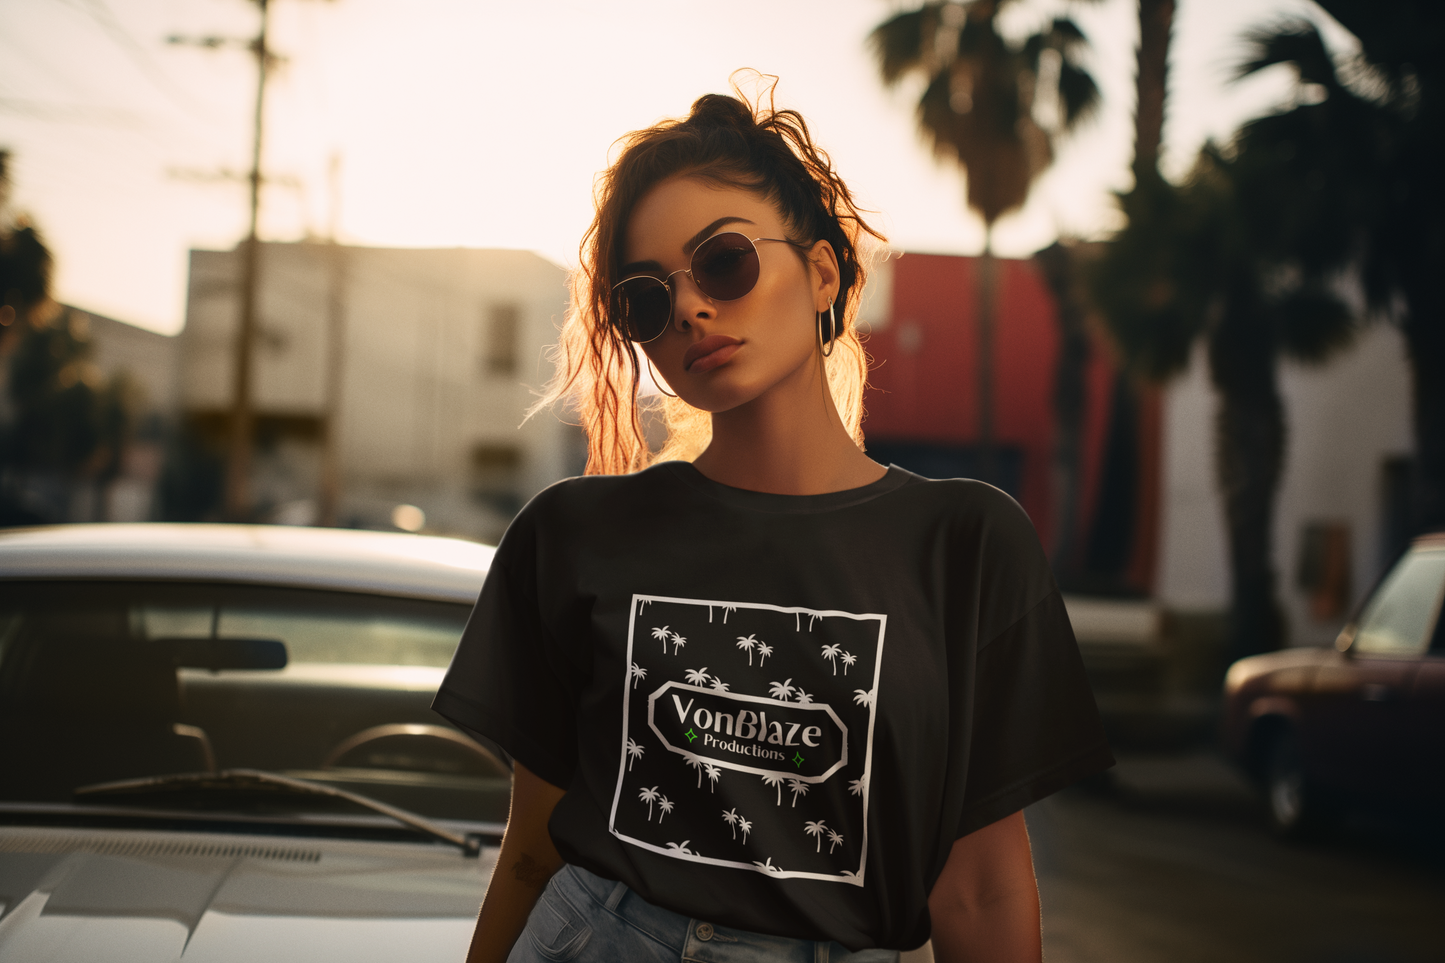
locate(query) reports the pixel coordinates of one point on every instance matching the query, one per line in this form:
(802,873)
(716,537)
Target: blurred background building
(440,352)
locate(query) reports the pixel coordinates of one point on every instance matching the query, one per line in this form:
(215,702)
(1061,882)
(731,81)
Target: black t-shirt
(777,712)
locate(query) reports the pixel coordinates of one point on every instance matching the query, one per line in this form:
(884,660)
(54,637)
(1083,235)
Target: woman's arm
(528,859)
(985,904)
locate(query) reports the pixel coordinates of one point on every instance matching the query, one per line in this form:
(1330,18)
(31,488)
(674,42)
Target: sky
(442,123)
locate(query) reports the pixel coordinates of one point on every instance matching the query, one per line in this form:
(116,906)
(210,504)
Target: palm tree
(746,827)
(730,816)
(856,786)
(781,690)
(831,653)
(1374,151)
(638,673)
(695,762)
(661,633)
(798,788)
(835,839)
(1242,257)
(995,108)
(775,780)
(748,642)
(727,610)
(848,659)
(681,847)
(863,697)
(713,772)
(677,643)
(815,828)
(767,866)
(803,697)
(764,650)
(697,676)
(718,685)
(634,752)
(664,806)
(649,796)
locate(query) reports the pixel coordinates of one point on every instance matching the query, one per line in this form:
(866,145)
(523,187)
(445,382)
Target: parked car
(217,741)
(1321,728)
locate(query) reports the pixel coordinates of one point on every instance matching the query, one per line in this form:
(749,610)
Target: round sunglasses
(724,268)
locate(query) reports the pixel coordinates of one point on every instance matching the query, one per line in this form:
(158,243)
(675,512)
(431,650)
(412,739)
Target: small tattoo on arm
(529,872)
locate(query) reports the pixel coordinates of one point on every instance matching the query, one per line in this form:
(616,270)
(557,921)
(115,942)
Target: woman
(767,699)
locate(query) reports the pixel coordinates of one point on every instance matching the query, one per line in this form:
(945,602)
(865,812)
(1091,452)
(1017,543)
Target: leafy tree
(64,423)
(1243,257)
(981,107)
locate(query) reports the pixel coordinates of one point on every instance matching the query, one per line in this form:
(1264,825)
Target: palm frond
(1313,323)
(1296,42)
(900,42)
(1078,94)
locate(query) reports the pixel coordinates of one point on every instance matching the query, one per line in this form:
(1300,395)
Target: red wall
(924,379)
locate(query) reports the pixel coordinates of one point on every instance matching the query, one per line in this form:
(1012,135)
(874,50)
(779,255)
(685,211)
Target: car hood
(138,897)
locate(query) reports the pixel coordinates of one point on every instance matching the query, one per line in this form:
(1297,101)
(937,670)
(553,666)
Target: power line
(116,31)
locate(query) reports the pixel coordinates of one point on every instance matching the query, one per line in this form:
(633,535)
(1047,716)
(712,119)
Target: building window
(500,329)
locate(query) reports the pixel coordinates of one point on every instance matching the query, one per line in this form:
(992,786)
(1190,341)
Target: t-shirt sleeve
(508,680)
(1035,727)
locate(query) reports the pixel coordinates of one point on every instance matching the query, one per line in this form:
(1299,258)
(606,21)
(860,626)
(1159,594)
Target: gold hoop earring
(833,332)
(657,378)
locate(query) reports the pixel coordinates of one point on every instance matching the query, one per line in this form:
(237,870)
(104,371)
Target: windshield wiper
(241,780)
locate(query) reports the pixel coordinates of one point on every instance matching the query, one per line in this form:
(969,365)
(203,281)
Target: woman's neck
(787,443)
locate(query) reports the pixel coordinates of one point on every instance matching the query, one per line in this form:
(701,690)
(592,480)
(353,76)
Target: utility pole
(237,502)
(243,421)
(335,360)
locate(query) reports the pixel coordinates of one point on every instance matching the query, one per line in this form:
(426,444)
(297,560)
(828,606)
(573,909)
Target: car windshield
(105,681)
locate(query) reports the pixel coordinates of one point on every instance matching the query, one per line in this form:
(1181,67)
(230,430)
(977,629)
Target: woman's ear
(825,273)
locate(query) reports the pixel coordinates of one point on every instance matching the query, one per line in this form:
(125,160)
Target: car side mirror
(218,654)
(1345,641)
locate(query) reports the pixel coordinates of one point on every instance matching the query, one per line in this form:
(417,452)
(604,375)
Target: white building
(1347,435)
(442,352)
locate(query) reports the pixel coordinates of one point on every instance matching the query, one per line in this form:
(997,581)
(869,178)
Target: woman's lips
(710,352)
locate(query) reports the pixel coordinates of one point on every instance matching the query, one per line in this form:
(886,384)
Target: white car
(216,743)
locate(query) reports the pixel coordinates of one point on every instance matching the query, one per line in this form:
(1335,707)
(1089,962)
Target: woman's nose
(688,302)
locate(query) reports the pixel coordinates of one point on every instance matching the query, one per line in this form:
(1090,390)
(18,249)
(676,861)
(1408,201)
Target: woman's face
(718,355)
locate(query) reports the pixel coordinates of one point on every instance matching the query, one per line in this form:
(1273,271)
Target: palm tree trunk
(987,302)
(1156,19)
(1056,264)
(1425,335)
(1249,456)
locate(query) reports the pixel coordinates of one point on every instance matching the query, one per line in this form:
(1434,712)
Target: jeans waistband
(704,942)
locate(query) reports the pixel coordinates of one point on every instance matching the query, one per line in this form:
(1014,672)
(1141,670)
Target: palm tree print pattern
(815,828)
(748,642)
(770,842)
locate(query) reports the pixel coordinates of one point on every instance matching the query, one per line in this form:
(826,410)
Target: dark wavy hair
(726,140)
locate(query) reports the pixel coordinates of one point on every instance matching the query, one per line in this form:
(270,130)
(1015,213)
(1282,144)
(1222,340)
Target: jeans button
(704,931)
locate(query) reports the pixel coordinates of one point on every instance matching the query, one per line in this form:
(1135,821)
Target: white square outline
(637,601)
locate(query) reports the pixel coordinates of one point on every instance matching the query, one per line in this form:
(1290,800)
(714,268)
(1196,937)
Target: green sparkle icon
(798,759)
(690,735)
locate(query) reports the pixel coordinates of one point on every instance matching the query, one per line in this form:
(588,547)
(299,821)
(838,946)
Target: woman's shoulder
(962,500)
(572,502)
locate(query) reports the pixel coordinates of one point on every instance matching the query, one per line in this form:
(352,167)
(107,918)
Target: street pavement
(1172,862)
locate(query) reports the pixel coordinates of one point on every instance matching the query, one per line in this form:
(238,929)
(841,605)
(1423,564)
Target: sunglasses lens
(725,266)
(642,306)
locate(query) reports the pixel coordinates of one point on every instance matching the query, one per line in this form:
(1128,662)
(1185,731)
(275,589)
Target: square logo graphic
(747,735)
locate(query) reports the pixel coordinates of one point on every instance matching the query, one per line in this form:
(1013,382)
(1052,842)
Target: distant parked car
(217,741)
(1320,728)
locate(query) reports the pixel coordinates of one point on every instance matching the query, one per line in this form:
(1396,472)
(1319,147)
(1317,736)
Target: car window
(95,687)
(1398,619)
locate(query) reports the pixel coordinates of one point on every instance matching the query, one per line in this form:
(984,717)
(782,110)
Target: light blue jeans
(584,918)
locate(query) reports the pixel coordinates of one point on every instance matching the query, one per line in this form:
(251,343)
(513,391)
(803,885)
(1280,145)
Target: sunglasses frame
(666,282)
